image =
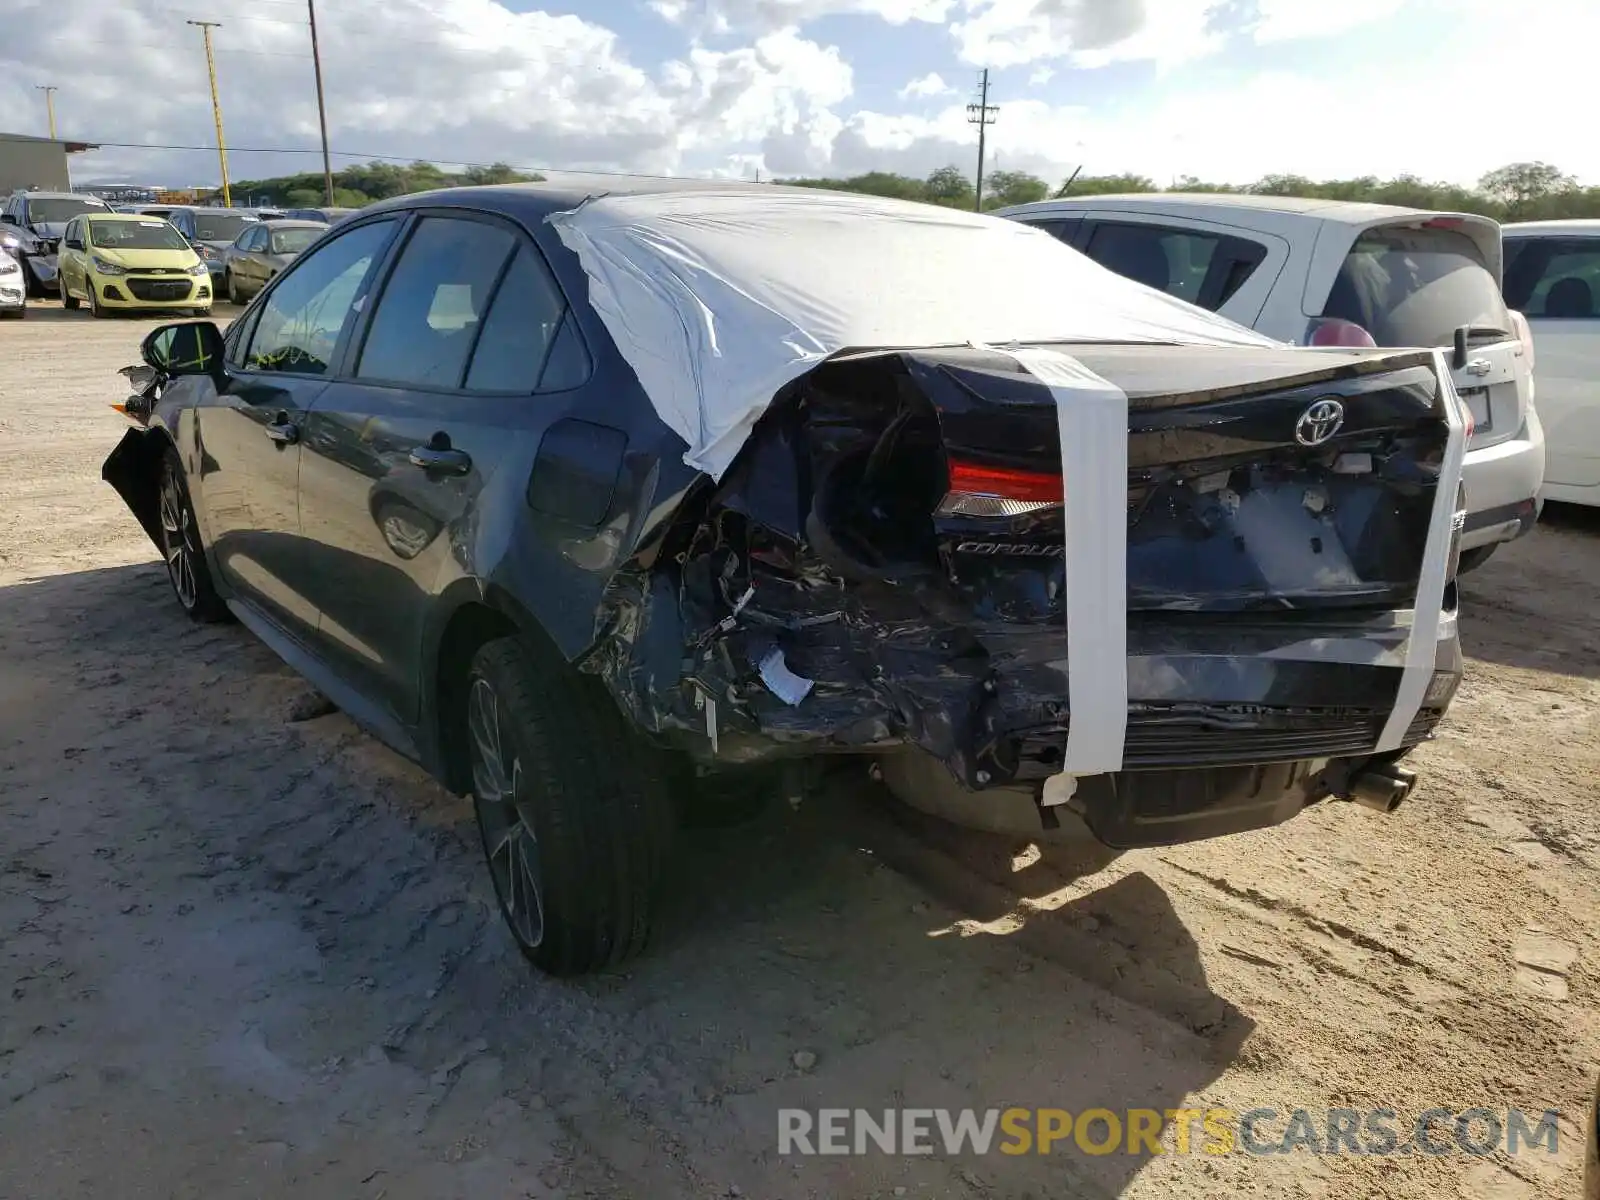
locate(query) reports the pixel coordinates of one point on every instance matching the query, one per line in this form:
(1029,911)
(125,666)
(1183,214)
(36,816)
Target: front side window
(307,313)
(1554,278)
(134,235)
(1416,287)
(427,318)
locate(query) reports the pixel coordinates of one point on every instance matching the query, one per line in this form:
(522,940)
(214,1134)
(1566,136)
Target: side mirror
(73,243)
(8,218)
(187,348)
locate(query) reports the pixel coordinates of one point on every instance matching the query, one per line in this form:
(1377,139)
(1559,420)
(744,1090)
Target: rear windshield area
(1416,287)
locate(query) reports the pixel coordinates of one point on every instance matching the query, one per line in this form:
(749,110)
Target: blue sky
(1224,89)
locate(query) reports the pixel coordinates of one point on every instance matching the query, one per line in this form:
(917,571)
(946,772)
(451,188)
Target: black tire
(572,807)
(232,288)
(68,301)
(187,569)
(96,309)
(15,314)
(1472,559)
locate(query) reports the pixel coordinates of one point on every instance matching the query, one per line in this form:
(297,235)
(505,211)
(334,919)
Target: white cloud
(471,80)
(1287,20)
(931,84)
(729,16)
(1088,33)
(450,80)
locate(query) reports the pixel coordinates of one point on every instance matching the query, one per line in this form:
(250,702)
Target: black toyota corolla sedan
(425,467)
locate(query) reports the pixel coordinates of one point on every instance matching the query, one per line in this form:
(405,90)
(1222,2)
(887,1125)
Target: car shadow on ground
(1532,604)
(837,955)
(51,310)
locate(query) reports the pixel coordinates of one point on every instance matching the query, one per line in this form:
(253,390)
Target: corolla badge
(1319,422)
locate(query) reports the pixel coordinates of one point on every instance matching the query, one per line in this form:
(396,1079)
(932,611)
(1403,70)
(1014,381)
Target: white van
(1553,276)
(1337,273)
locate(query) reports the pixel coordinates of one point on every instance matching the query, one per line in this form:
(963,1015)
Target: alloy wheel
(504,819)
(178,541)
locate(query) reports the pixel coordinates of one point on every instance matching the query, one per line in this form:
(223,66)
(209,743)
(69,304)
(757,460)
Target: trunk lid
(1258,479)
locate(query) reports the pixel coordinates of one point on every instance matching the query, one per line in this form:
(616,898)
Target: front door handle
(440,458)
(283,431)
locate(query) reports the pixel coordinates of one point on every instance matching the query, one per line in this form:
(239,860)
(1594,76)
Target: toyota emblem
(1319,422)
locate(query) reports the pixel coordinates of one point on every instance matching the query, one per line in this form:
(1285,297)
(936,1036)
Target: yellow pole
(50,104)
(216,108)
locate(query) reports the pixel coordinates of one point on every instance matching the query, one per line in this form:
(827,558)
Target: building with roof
(36,162)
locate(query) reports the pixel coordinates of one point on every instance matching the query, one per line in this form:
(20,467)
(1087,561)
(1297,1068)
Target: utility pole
(982,114)
(322,111)
(216,108)
(49,90)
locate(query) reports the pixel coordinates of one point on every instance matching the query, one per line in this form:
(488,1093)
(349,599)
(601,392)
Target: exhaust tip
(1382,789)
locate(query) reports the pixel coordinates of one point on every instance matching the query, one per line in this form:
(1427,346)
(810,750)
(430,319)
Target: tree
(1005,188)
(948,186)
(1523,186)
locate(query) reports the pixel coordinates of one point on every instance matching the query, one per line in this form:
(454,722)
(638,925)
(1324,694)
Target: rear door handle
(283,431)
(440,458)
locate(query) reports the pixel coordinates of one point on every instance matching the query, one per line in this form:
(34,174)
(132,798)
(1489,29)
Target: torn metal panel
(941,625)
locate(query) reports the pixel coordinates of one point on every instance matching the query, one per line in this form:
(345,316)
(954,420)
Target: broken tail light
(980,490)
(1332,331)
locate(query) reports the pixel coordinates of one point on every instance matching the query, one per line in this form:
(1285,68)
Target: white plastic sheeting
(717,299)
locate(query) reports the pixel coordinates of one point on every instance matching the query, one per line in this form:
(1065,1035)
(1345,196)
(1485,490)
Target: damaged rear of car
(1162,579)
(885,568)
(781,476)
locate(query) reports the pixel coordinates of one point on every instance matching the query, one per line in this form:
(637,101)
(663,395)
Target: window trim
(342,347)
(521,240)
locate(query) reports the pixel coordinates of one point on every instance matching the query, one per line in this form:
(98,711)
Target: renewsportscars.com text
(1259,1131)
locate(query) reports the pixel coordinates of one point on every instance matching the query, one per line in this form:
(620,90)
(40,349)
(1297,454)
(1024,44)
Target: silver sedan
(262,250)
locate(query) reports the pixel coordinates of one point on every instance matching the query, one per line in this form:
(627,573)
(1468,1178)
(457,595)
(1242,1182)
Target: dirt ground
(243,955)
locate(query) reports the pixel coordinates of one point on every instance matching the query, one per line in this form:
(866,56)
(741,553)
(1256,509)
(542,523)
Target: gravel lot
(248,955)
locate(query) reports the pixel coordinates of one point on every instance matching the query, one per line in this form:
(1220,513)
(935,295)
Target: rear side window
(1416,287)
(1194,265)
(1062,228)
(1555,278)
(519,330)
(427,318)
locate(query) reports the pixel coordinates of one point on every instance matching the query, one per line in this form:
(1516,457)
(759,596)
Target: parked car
(120,263)
(268,214)
(262,250)
(1334,273)
(568,498)
(1553,277)
(13,288)
(211,231)
(30,229)
(328,216)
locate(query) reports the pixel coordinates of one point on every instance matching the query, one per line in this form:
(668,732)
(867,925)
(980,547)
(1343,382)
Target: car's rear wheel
(572,808)
(180,546)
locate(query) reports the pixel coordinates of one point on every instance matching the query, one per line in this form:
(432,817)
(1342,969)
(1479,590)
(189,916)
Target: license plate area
(1477,402)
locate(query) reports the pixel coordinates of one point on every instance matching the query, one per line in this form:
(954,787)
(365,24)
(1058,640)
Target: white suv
(1335,273)
(1553,277)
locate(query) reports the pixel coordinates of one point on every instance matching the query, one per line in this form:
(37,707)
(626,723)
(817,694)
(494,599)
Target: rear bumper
(1503,487)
